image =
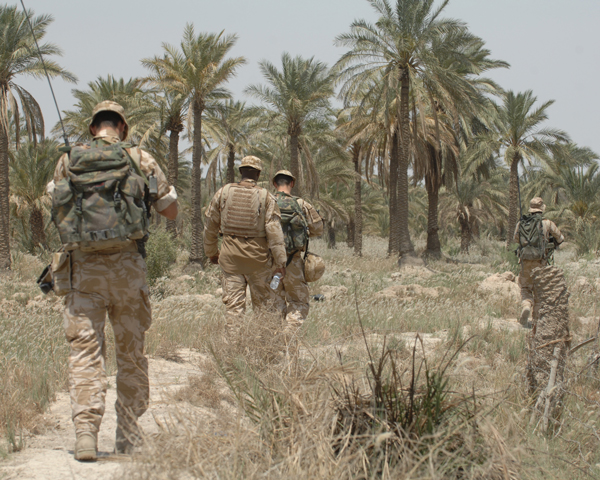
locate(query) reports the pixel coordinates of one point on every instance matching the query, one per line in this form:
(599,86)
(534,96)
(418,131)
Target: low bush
(161,252)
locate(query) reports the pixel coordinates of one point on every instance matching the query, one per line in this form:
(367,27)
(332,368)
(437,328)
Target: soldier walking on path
(299,221)
(100,200)
(252,250)
(537,238)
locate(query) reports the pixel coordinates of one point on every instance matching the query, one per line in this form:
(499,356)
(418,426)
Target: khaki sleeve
(166,194)
(552,230)
(61,170)
(274,232)
(315,222)
(212,225)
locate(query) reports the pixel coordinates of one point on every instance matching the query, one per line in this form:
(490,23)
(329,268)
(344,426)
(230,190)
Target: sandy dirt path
(49,455)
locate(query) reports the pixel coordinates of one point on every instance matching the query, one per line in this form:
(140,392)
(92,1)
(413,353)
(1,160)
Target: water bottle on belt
(275,281)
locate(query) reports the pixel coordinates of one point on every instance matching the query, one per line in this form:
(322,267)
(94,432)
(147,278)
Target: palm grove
(424,147)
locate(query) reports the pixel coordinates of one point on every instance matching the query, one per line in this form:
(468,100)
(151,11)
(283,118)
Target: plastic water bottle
(275,281)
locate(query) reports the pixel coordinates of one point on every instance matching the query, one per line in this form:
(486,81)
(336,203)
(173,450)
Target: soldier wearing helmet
(299,222)
(252,250)
(537,238)
(103,272)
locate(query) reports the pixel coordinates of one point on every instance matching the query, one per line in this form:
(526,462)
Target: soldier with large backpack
(252,250)
(537,238)
(101,194)
(299,221)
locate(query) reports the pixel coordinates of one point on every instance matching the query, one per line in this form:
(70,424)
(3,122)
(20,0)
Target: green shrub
(587,238)
(161,252)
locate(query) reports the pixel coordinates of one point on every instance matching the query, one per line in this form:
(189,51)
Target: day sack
(532,241)
(101,202)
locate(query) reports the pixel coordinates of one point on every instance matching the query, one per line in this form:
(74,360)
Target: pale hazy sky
(552,45)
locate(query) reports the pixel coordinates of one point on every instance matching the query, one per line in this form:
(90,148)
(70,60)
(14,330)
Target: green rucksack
(532,241)
(102,199)
(293,223)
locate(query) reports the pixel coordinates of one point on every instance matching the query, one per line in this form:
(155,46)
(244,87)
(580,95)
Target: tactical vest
(101,202)
(243,210)
(293,223)
(532,241)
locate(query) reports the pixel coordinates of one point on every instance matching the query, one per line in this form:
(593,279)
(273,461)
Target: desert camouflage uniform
(113,281)
(527,266)
(245,261)
(292,293)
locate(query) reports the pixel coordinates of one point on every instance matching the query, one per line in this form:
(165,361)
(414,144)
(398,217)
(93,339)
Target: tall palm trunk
(36,223)
(231,164)
(357,203)
(393,247)
(331,242)
(4,189)
(513,200)
(294,163)
(406,246)
(465,229)
(350,233)
(197,249)
(173,170)
(434,249)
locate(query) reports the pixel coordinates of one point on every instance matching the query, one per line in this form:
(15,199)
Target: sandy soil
(49,455)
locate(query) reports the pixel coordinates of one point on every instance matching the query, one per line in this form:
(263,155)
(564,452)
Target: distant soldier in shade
(299,221)
(99,205)
(253,249)
(537,238)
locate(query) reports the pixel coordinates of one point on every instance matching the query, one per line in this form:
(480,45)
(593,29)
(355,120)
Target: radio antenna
(66,139)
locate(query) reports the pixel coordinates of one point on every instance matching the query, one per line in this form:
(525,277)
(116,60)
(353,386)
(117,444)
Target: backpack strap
(131,156)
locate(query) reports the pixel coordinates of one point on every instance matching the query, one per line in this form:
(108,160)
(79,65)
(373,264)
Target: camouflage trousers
(234,295)
(113,284)
(292,294)
(526,283)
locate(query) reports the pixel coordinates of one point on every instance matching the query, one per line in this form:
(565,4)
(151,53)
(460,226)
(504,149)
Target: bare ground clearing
(49,454)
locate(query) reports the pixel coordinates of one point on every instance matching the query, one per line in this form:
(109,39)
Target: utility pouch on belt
(45,280)
(61,272)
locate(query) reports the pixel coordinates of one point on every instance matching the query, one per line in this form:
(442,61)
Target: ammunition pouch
(61,273)
(45,280)
(141,246)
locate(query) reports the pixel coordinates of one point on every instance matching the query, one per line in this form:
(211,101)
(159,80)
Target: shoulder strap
(128,149)
(264,193)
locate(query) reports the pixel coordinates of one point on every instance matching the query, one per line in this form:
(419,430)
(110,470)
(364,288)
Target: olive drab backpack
(293,223)
(101,201)
(532,241)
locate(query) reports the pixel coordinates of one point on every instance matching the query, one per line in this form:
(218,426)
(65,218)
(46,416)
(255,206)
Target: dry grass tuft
(201,391)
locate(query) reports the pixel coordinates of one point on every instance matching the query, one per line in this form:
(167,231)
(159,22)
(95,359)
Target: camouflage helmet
(252,162)
(287,173)
(314,267)
(537,205)
(110,106)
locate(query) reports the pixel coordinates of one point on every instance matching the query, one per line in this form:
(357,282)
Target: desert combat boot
(86,447)
(525,314)
(128,437)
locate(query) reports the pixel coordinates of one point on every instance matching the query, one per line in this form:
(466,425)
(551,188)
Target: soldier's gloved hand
(215,260)
(280,271)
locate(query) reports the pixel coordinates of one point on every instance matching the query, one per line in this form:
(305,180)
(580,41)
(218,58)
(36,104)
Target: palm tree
(229,124)
(570,183)
(19,57)
(31,168)
(518,134)
(404,48)
(473,199)
(295,95)
(173,108)
(198,72)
